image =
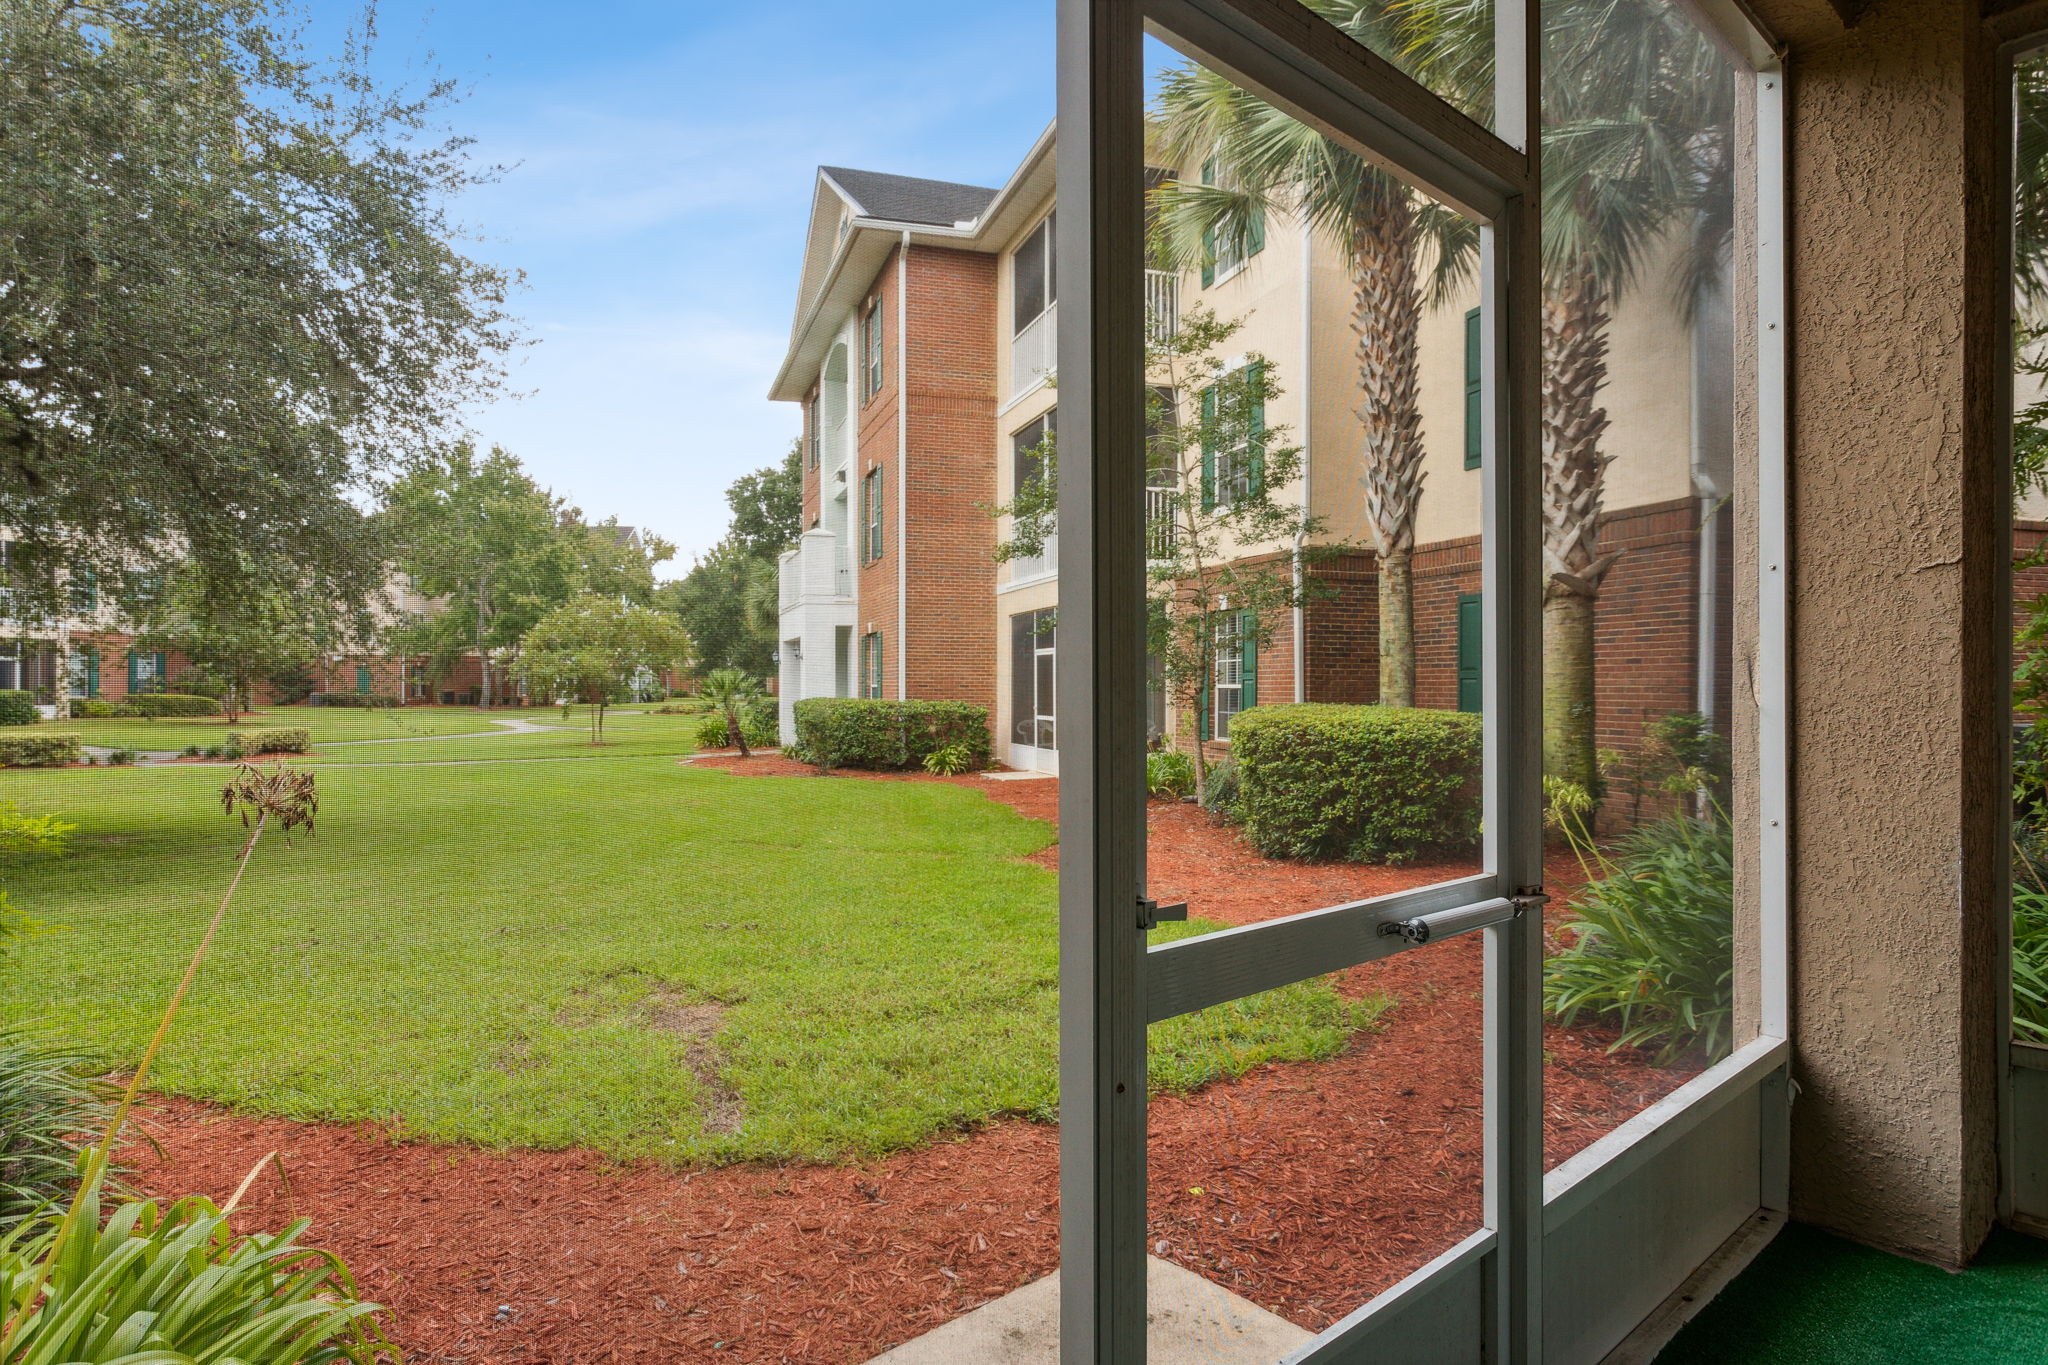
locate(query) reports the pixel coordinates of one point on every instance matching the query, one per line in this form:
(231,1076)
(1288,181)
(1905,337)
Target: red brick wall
(113,647)
(951,344)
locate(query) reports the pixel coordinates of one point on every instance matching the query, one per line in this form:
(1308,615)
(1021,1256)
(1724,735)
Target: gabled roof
(907,199)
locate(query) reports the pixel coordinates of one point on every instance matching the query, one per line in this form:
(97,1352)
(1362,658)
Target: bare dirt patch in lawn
(1306,1187)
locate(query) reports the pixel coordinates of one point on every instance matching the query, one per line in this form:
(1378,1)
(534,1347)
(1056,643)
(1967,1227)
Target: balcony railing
(1162,304)
(1159,528)
(1035,352)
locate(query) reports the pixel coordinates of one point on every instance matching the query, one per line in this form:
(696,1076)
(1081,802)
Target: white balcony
(1035,351)
(1162,304)
(1159,522)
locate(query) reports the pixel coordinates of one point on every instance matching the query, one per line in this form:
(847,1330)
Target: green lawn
(537,954)
(325,722)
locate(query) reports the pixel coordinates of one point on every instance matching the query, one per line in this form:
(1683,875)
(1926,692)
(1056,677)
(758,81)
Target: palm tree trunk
(1574,468)
(1386,313)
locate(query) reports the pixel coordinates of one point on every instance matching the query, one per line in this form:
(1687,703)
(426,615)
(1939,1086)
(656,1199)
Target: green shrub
(709,732)
(122,758)
(359,700)
(682,706)
(860,732)
(123,711)
(762,732)
(949,761)
(39,751)
(1654,945)
(91,708)
(1220,796)
(49,1097)
(1170,774)
(1366,783)
(2030,963)
(18,708)
(211,751)
(153,704)
(189,751)
(282,739)
(175,1283)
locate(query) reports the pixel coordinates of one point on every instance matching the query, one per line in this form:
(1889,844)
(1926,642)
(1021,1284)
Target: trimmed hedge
(91,708)
(360,700)
(39,751)
(861,732)
(172,704)
(282,739)
(1363,783)
(18,708)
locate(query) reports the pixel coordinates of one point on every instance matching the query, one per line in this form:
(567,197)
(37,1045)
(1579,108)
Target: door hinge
(1151,914)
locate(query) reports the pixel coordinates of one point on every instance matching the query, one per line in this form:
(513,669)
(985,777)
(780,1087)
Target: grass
(175,732)
(626,954)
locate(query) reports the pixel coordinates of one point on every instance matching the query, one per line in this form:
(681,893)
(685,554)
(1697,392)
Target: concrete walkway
(1191,1322)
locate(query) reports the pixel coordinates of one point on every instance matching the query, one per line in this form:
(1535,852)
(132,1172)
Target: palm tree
(1263,157)
(1637,115)
(731,692)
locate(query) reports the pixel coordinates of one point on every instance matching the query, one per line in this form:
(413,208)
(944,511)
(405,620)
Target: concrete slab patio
(1192,1322)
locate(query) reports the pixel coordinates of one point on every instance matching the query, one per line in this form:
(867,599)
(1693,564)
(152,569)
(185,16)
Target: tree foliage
(1224,542)
(768,506)
(729,599)
(238,639)
(595,645)
(231,295)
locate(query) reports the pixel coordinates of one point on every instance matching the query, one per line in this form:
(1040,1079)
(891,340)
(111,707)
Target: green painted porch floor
(1813,1299)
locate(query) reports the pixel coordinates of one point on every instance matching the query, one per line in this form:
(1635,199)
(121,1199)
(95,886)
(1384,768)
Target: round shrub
(40,751)
(1363,783)
(91,708)
(282,739)
(18,708)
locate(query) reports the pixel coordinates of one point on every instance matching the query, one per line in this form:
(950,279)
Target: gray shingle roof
(907,199)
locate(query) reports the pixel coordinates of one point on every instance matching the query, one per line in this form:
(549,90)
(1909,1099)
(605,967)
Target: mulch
(1306,1187)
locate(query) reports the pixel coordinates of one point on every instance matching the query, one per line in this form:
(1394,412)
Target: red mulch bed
(1307,1187)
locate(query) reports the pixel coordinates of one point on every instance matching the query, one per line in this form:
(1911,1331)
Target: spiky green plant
(175,1285)
(1653,940)
(49,1097)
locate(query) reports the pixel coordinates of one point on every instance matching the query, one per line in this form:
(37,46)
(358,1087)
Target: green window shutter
(1471,654)
(163,674)
(1475,443)
(1208,449)
(1208,234)
(1248,696)
(92,673)
(1258,429)
(1255,234)
(133,677)
(363,678)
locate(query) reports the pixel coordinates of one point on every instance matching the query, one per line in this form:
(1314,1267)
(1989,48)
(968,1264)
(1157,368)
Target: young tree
(233,298)
(730,692)
(593,645)
(240,639)
(1222,567)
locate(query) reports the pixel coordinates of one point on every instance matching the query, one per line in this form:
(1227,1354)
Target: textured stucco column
(1896,645)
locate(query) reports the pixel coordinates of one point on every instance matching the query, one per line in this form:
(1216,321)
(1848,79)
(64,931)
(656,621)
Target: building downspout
(1709,492)
(903,468)
(1308,465)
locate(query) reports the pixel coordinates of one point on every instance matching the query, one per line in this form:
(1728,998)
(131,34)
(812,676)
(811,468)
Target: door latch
(1151,914)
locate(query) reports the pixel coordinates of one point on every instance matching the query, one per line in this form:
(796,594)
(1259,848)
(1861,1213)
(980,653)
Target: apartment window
(1026,450)
(1475,444)
(146,671)
(871,665)
(1034,276)
(84,669)
(871,351)
(871,516)
(814,443)
(1034,647)
(1224,253)
(84,589)
(1233,461)
(1233,673)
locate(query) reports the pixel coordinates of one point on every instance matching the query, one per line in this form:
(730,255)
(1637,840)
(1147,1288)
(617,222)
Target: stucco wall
(1894,640)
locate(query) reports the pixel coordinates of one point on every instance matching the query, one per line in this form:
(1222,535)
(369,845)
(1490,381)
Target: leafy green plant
(122,758)
(1220,799)
(165,1285)
(1365,783)
(1653,940)
(951,760)
(858,732)
(2030,963)
(154,704)
(91,708)
(282,739)
(1170,774)
(39,751)
(211,751)
(48,1097)
(731,694)
(709,732)
(1680,756)
(18,708)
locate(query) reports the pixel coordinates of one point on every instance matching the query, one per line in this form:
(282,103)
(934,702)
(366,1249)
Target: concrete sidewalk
(1192,1322)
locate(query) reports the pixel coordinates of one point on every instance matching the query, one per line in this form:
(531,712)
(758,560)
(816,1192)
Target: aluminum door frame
(1111,985)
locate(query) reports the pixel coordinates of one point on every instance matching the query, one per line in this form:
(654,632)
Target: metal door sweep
(1464,919)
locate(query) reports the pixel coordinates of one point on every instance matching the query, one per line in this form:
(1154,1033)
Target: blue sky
(660,163)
